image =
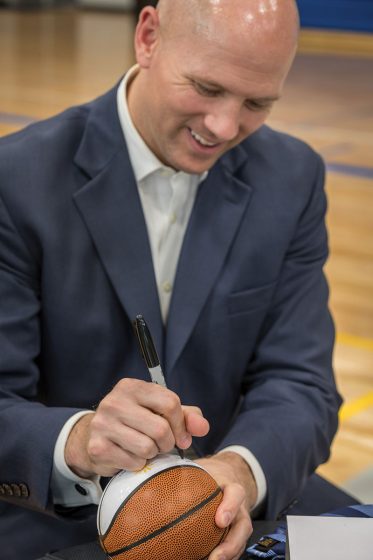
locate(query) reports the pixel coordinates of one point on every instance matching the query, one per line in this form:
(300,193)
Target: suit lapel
(110,206)
(220,205)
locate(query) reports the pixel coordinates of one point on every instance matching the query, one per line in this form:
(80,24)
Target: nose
(223,122)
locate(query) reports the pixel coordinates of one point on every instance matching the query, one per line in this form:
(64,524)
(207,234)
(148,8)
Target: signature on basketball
(146,469)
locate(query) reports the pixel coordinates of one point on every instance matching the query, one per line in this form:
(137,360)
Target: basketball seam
(168,526)
(140,486)
(224,534)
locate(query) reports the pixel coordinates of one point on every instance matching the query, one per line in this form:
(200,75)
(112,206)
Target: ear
(146,36)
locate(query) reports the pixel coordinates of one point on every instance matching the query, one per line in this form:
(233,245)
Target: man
(165,197)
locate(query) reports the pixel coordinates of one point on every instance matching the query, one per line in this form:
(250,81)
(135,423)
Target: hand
(235,478)
(133,423)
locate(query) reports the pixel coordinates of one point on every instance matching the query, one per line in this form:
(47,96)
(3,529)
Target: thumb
(195,423)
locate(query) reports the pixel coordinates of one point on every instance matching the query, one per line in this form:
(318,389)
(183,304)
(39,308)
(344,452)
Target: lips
(202,141)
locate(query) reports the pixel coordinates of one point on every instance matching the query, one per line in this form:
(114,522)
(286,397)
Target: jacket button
(24,490)
(16,490)
(79,488)
(8,490)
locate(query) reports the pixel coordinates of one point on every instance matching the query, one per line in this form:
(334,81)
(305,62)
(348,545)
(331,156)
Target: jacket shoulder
(279,146)
(42,133)
(66,127)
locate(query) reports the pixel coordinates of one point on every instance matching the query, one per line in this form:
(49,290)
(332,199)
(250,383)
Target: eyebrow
(218,87)
(265,99)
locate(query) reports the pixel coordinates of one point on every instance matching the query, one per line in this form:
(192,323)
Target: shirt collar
(144,162)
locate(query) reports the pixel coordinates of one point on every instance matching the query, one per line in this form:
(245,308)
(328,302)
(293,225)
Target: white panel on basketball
(124,483)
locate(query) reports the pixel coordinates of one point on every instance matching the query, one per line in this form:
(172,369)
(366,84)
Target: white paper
(329,538)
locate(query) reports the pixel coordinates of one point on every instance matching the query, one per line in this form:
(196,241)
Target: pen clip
(145,341)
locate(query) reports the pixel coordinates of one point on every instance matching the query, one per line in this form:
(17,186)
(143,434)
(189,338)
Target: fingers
(171,424)
(161,417)
(233,499)
(234,543)
(234,477)
(232,511)
(123,437)
(109,458)
(135,428)
(129,418)
(168,406)
(133,423)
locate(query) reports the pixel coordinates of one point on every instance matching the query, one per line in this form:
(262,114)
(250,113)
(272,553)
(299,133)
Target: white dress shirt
(167,197)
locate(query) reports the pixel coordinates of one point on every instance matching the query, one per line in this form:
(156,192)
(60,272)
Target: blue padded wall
(354,15)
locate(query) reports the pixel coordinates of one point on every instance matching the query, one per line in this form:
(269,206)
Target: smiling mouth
(202,141)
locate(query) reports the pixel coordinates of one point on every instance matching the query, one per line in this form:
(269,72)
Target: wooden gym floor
(50,59)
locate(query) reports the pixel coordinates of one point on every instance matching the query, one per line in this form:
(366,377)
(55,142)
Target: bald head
(208,74)
(238,19)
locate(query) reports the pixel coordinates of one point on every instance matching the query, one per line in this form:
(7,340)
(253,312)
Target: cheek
(252,122)
(186,105)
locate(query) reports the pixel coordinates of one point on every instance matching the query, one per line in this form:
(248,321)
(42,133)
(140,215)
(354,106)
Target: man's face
(202,98)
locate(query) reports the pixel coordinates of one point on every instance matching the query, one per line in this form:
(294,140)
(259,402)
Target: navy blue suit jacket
(249,337)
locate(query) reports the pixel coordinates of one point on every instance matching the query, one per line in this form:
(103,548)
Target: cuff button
(8,490)
(25,492)
(16,490)
(79,488)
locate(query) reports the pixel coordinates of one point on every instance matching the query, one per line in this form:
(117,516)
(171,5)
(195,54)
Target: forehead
(249,36)
(241,68)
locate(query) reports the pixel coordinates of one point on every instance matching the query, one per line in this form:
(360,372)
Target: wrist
(76,456)
(244,475)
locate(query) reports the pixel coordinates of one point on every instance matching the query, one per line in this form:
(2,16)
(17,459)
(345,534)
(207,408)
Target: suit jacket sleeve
(29,429)
(289,411)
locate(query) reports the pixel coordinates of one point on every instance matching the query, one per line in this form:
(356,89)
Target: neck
(133,93)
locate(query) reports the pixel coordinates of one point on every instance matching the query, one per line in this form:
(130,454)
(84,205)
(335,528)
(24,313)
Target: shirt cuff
(257,471)
(69,489)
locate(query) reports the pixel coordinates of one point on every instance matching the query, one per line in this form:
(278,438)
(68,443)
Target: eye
(258,106)
(204,90)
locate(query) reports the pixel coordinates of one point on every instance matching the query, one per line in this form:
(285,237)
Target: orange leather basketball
(166,511)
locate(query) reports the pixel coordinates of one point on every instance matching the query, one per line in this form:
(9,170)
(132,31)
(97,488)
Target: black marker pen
(150,356)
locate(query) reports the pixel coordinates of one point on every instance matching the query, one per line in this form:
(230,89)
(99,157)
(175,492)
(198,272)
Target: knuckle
(147,449)
(171,405)
(124,382)
(127,384)
(97,423)
(161,430)
(96,449)
(105,408)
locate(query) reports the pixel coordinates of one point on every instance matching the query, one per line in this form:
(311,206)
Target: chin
(195,168)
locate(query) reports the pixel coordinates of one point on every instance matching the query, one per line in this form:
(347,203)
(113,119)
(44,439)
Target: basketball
(166,511)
